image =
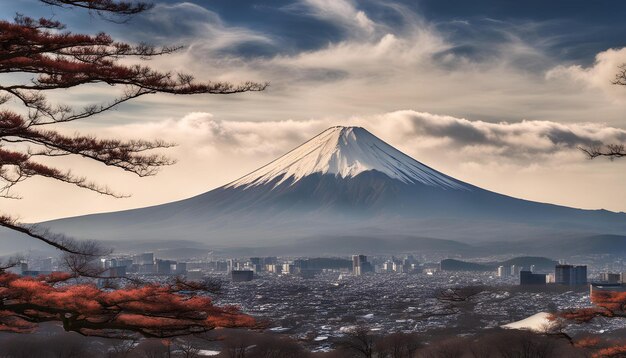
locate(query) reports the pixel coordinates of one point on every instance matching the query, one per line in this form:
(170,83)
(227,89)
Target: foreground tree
(56,59)
(152,310)
(360,341)
(608,304)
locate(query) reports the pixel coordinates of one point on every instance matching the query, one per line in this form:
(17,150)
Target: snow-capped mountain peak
(346,152)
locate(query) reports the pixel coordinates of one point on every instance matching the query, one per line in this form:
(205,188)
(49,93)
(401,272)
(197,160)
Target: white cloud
(412,65)
(409,67)
(521,143)
(195,26)
(343,13)
(600,75)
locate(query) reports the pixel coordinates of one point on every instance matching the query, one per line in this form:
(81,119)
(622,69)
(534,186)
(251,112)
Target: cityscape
(316,300)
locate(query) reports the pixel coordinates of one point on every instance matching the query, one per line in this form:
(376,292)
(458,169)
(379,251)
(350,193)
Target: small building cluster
(145,264)
(564,274)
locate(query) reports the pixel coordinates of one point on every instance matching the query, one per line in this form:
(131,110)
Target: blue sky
(476,89)
(569,30)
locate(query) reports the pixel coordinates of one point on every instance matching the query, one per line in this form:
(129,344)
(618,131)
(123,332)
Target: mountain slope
(343,182)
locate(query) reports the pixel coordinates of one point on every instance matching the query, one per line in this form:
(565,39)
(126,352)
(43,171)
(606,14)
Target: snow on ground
(537,322)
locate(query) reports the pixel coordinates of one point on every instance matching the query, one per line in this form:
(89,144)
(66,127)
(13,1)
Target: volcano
(343,184)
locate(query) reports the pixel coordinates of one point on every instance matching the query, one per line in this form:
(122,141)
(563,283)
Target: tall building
(529,278)
(181,268)
(164,267)
(274,268)
(409,261)
(147,268)
(241,275)
(580,274)
(144,259)
(388,266)
(515,270)
(610,277)
(502,271)
(124,262)
(570,275)
(257,263)
(399,268)
(288,268)
(562,274)
(358,263)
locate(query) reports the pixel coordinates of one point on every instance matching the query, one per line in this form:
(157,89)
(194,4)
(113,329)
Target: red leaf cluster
(582,315)
(587,342)
(615,351)
(151,310)
(614,301)
(607,304)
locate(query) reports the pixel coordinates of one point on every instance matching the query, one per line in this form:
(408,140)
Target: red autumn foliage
(613,301)
(616,351)
(582,315)
(607,304)
(56,59)
(587,342)
(151,310)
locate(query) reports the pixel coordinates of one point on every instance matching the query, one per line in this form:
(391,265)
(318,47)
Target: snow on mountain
(346,152)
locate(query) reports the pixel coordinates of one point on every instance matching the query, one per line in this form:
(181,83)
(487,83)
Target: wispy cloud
(200,29)
(343,13)
(599,75)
